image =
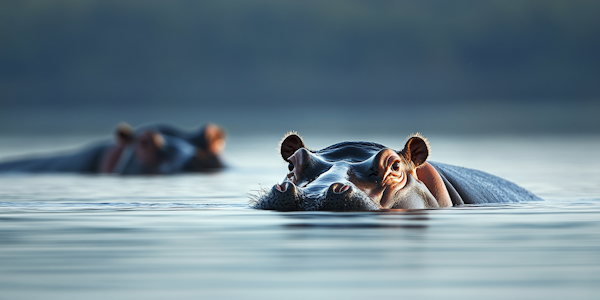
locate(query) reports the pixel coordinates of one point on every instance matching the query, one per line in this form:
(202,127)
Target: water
(194,236)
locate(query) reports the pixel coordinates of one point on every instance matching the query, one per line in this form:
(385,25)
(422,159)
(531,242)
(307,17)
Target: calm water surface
(194,236)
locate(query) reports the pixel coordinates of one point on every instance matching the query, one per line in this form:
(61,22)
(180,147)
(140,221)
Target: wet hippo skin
(152,149)
(359,176)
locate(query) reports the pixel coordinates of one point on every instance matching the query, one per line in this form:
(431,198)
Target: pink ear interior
(416,150)
(289,145)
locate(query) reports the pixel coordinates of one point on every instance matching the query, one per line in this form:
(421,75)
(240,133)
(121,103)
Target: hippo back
(83,161)
(468,186)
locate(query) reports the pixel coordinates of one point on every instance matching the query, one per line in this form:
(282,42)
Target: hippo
(365,176)
(152,149)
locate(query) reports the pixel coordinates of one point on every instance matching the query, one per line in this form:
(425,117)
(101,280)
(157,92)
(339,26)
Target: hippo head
(209,142)
(164,150)
(350,176)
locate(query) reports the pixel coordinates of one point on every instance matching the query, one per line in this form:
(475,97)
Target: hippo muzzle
(336,197)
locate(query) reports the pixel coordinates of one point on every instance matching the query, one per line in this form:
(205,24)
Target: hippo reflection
(152,149)
(359,176)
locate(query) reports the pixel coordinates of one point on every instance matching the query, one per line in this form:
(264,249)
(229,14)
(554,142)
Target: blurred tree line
(265,52)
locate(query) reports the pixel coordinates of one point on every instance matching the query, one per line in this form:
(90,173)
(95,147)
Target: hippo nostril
(285,187)
(339,188)
(282,187)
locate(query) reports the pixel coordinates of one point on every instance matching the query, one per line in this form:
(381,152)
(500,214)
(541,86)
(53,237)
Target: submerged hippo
(153,149)
(358,176)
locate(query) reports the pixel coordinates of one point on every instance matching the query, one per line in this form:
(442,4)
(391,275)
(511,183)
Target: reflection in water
(356,226)
(392,218)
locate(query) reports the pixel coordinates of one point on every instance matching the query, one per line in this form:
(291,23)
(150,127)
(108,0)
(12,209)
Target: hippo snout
(346,197)
(282,197)
(338,197)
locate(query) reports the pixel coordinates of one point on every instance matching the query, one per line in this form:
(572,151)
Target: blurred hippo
(362,176)
(152,149)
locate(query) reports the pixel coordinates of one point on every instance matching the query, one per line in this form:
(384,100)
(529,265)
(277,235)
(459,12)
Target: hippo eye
(290,166)
(396,166)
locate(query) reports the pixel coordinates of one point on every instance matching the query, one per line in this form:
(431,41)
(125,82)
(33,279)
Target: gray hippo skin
(153,149)
(362,176)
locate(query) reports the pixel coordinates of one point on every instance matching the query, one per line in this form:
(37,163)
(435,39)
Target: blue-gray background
(79,66)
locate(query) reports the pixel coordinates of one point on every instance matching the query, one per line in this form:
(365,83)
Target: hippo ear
(290,143)
(215,138)
(158,140)
(416,150)
(124,134)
